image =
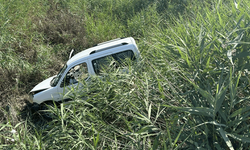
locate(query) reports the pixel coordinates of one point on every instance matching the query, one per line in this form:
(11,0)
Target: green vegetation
(190,91)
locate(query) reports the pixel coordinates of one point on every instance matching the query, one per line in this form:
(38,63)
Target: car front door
(73,79)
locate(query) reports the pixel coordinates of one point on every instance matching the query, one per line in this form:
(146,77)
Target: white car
(81,66)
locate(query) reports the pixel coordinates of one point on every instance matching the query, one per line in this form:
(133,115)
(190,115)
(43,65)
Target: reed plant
(190,90)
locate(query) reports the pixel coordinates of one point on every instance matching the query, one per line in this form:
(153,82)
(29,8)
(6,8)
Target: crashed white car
(81,66)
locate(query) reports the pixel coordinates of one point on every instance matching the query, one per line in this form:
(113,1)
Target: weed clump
(60,26)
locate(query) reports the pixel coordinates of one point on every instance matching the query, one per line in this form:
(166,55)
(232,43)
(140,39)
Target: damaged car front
(47,89)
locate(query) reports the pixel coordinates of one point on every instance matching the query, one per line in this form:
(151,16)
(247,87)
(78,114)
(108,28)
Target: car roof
(100,47)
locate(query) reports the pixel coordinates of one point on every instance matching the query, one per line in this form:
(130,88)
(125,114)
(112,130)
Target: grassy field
(190,90)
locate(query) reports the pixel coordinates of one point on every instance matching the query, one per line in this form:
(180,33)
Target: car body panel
(43,85)
(46,95)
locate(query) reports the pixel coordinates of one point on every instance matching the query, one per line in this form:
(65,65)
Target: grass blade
(176,139)
(240,138)
(219,99)
(225,137)
(240,111)
(195,110)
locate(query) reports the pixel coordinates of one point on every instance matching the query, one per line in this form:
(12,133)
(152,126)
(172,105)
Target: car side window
(107,63)
(103,64)
(123,57)
(76,74)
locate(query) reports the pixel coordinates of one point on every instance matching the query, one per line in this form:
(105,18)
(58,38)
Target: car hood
(45,84)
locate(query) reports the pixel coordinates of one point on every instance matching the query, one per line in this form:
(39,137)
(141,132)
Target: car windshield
(56,79)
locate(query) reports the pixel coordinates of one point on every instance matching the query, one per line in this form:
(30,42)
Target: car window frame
(63,80)
(111,54)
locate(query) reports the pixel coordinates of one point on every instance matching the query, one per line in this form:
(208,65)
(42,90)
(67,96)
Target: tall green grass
(208,51)
(189,91)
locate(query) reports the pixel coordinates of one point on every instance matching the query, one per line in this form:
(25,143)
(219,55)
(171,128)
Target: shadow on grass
(35,114)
